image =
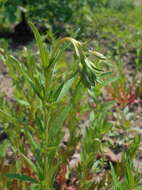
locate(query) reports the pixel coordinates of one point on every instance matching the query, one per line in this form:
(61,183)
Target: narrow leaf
(43,52)
(23,102)
(67,85)
(58,122)
(21,177)
(6,117)
(31,164)
(108,81)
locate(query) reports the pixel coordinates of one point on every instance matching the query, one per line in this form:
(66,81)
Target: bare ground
(138,2)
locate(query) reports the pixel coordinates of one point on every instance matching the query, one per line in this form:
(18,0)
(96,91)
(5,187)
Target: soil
(5,82)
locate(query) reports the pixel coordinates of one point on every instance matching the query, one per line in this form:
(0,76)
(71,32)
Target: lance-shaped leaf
(21,177)
(43,52)
(67,85)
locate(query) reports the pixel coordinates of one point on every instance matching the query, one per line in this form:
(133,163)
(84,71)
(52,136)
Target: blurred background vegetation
(110,24)
(57,13)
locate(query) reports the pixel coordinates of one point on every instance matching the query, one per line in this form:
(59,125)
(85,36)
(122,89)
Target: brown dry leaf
(14,185)
(111,156)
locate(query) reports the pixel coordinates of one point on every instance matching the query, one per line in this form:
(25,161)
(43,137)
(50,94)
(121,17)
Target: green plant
(56,113)
(46,97)
(92,146)
(130,177)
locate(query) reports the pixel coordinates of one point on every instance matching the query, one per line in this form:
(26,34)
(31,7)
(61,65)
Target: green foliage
(42,104)
(120,4)
(21,177)
(58,87)
(91,144)
(130,178)
(57,11)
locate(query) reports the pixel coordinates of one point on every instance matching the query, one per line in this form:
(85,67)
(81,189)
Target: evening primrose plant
(45,101)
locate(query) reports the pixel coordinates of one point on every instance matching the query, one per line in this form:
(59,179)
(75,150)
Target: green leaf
(58,122)
(32,141)
(43,52)
(133,147)
(108,81)
(32,165)
(67,85)
(97,54)
(108,105)
(22,71)
(23,102)
(106,74)
(6,117)
(114,177)
(21,177)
